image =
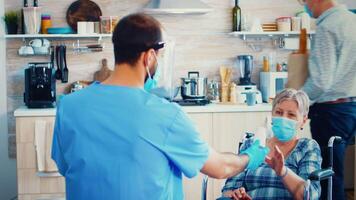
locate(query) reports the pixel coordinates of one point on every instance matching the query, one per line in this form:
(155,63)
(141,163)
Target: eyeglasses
(158,46)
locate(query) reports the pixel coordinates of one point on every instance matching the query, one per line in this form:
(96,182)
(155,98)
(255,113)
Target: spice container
(114,20)
(105,25)
(284,24)
(296,23)
(265,67)
(46,23)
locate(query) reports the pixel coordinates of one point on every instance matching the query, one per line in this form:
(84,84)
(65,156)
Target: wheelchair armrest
(321,174)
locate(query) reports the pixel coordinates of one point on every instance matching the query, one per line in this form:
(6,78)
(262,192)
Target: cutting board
(82,10)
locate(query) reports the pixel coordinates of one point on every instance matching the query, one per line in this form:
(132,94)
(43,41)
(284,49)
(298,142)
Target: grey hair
(299,96)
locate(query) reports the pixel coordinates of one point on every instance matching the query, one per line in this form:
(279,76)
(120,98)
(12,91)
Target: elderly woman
(290,161)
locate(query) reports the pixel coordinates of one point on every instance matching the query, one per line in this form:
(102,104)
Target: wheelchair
(319,175)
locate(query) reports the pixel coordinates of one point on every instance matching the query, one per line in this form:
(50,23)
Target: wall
(203,42)
(7,165)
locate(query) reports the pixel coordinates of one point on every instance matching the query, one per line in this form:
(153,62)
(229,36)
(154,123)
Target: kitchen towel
(43,144)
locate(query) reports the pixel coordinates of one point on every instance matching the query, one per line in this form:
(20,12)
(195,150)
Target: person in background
(290,162)
(331,85)
(115,140)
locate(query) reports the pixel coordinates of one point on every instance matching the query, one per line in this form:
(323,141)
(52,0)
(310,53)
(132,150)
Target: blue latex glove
(257,155)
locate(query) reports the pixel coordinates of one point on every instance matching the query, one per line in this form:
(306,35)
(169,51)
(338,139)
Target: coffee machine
(40,85)
(245,65)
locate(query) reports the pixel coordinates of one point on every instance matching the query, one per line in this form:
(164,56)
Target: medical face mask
(284,129)
(307,10)
(151,82)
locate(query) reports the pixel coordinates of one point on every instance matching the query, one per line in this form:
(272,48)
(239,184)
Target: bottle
(265,64)
(236,17)
(247,141)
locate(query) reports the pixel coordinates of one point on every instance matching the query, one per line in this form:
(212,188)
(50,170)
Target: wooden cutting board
(82,10)
(104,72)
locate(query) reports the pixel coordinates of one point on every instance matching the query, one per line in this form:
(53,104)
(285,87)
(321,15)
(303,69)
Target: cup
(40,50)
(46,43)
(89,27)
(251,98)
(26,50)
(81,28)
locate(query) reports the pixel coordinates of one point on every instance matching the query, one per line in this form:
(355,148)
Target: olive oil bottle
(236,17)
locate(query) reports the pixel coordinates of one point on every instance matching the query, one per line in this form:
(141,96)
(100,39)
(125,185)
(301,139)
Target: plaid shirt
(263,183)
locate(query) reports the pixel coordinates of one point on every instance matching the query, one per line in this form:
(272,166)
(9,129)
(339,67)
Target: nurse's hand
(237,194)
(256,154)
(276,161)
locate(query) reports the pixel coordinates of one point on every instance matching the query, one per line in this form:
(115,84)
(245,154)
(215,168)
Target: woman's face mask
(284,129)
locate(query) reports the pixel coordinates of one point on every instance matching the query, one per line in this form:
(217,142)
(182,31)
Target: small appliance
(40,85)
(271,83)
(194,87)
(245,64)
(242,90)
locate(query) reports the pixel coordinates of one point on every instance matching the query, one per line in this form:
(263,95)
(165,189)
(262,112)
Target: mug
(36,43)
(40,43)
(41,50)
(251,98)
(26,50)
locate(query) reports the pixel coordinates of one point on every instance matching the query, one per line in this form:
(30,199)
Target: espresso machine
(245,85)
(40,85)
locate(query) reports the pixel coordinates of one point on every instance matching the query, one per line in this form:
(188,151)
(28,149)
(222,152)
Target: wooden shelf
(57,36)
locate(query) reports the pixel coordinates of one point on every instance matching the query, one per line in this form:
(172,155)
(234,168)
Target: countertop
(211,108)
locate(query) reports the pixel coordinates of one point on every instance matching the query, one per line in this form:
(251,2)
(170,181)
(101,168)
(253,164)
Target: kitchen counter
(211,108)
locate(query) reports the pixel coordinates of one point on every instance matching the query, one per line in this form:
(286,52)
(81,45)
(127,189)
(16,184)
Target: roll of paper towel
(292,43)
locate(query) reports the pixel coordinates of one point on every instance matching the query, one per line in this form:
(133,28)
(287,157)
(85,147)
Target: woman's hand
(238,194)
(276,161)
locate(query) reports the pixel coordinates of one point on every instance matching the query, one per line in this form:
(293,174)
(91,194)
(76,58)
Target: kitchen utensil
(245,63)
(225,74)
(32,19)
(193,87)
(82,10)
(298,64)
(58,73)
(104,72)
(52,52)
(60,30)
(65,71)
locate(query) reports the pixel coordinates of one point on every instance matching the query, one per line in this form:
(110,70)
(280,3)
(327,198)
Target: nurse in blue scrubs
(116,140)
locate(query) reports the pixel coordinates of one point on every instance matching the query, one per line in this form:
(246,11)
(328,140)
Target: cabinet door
(192,187)
(229,128)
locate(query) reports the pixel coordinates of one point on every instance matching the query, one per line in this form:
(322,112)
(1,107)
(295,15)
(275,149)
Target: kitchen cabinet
(228,129)
(30,184)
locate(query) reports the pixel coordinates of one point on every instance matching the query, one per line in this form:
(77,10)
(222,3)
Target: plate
(59,30)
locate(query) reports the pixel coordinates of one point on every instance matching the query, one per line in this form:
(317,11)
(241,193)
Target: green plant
(11,17)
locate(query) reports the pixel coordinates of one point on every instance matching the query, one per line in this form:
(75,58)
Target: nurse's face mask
(152,77)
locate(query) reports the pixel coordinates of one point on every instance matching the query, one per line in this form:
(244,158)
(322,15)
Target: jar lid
(281,18)
(45,16)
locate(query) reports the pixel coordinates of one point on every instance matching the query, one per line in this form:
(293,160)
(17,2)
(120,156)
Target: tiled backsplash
(202,42)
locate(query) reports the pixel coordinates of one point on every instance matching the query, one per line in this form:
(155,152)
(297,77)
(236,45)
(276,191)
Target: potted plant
(11,19)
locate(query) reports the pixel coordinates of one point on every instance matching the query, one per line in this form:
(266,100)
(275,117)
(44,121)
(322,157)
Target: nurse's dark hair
(133,35)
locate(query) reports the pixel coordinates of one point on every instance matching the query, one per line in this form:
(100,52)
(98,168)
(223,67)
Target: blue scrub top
(115,142)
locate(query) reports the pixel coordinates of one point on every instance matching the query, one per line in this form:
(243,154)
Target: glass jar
(284,24)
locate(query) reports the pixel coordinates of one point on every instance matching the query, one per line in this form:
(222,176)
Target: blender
(245,65)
